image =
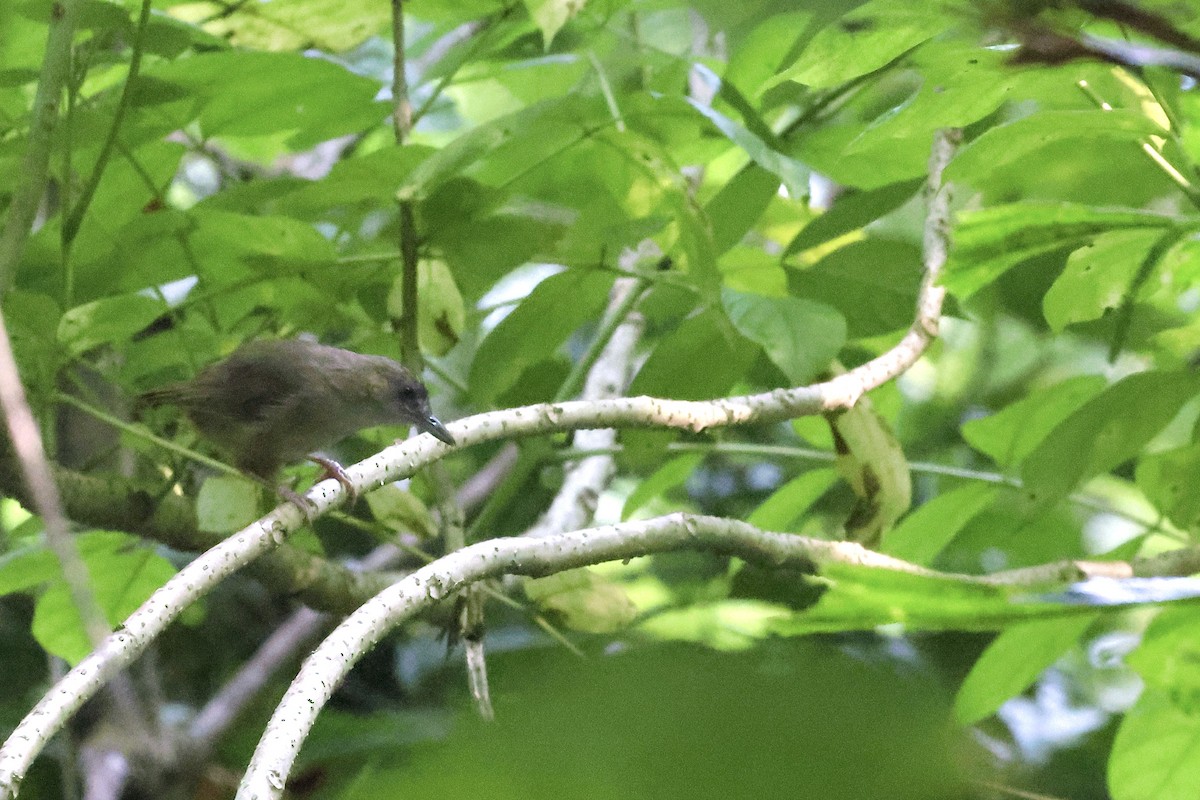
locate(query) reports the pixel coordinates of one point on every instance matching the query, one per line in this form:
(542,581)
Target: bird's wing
(257,390)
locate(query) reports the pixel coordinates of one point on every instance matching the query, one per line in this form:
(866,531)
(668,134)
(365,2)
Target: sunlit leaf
(123,573)
(1011,434)
(991,241)
(921,535)
(1013,661)
(1107,430)
(863,41)
(583,600)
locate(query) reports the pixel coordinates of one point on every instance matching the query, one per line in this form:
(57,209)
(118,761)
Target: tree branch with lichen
(404,458)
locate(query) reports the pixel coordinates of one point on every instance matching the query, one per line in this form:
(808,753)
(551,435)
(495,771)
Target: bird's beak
(434,426)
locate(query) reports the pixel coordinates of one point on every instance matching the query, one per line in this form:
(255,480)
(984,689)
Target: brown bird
(273,402)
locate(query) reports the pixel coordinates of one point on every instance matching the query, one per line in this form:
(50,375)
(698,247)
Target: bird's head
(407,400)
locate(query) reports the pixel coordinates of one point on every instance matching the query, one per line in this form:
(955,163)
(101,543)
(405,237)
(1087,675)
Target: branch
(112,503)
(404,458)
(223,709)
(575,501)
(327,667)
(1044,46)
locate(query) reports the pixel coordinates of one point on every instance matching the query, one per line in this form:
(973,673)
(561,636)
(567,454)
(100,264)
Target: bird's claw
(307,507)
(335,470)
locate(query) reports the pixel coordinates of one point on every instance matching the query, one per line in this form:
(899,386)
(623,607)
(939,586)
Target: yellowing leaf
(870,459)
(551,15)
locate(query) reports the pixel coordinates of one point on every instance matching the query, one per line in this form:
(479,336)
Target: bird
(276,401)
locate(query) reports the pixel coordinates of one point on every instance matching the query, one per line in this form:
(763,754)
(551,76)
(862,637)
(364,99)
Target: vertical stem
(44,119)
(451,515)
(402,106)
(410,337)
(410,344)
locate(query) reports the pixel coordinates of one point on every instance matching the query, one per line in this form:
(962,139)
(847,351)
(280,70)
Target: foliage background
(756,168)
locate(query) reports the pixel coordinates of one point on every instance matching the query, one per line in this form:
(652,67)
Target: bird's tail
(172,394)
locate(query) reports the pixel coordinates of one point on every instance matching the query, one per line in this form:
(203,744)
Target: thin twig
(73,220)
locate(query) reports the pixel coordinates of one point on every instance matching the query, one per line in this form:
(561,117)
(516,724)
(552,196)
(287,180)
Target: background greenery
(756,166)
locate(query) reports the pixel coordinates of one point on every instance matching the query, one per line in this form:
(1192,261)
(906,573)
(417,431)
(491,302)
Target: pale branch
(325,669)
(328,665)
(583,480)
(403,459)
(225,706)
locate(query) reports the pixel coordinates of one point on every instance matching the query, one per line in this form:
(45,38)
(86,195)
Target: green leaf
(368,178)
(225,246)
(793,174)
(27,567)
(861,598)
(668,476)
(1013,142)
(727,625)
(123,573)
(787,506)
(1169,481)
(330,25)
(851,212)
(960,84)
(864,40)
(226,504)
(510,145)
(1013,661)
(1168,656)
(537,328)
(112,320)
(1108,430)
(765,49)
(481,251)
(1097,277)
(401,510)
(1156,752)
(739,205)
(1011,434)
(923,534)
(309,100)
(799,336)
(988,242)
(583,600)
(700,359)
(872,283)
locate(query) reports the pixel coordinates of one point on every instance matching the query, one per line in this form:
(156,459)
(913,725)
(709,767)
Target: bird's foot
(306,506)
(335,470)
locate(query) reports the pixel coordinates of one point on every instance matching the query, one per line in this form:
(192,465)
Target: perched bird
(274,402)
